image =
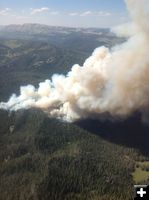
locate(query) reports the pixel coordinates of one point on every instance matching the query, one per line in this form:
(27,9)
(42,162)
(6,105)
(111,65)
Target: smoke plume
(114,81)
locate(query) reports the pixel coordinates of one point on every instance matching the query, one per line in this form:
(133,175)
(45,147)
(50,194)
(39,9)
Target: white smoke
(112,81)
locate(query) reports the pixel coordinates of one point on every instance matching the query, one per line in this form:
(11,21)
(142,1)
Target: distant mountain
(1,27)
(77,38)
(30,53)
(45,29)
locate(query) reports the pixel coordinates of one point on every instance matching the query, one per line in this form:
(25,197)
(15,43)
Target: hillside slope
(43,158)
(30,62)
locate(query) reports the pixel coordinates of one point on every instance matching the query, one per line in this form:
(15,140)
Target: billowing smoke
(112,81)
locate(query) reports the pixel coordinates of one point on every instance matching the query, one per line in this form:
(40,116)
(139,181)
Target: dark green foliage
(45,158)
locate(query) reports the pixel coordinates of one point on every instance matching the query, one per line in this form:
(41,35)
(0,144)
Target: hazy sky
(78,13)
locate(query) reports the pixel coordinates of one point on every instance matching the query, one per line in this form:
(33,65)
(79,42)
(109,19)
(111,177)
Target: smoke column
(114,81)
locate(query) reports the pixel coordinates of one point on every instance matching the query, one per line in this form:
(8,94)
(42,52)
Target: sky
(72,13)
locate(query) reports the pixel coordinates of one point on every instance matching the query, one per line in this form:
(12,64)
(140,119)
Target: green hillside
(30,62)
(43,158)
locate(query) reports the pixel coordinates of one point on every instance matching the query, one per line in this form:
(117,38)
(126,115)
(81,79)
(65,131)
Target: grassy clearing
(12,43)
(140,175)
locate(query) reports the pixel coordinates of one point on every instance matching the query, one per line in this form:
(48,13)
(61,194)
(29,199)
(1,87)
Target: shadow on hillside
(130,132)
